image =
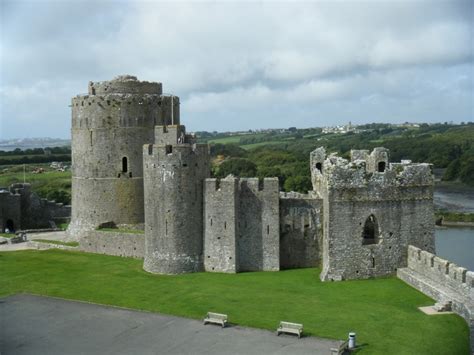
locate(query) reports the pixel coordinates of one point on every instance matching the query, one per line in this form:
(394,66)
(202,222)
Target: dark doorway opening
(370,234)
(10,226)
(319,166)
(381,167)
(124,165)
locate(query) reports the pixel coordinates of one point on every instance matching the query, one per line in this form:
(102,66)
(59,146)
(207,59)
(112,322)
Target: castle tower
(174,171)
(110,124)
(372,211)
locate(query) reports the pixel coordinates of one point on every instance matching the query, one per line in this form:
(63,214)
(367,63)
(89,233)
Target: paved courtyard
(42,325)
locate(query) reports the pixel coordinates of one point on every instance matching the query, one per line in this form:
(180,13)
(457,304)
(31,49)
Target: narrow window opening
(211,221)
(169,149)
(91,137)
(150,149)
(166,227)
(268,229)
(373,262)
(381,167)
(225,225)
(124,165)
(370,232)
(319,167)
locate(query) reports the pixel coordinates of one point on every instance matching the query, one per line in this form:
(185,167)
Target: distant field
(52,184)
(383,311)
(29,156)
(255,145)
(233,139)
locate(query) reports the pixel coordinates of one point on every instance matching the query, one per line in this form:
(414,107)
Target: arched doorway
(370,234)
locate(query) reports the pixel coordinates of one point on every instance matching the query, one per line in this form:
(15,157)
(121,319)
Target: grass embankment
(7,235)
(383,311)
(57,242)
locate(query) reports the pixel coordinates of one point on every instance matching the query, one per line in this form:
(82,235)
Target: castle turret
(110,124)
(175,168)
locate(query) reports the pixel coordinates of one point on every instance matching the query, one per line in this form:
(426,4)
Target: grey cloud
(254,63)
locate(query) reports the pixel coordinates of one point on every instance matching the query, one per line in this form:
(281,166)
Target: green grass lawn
(383,312)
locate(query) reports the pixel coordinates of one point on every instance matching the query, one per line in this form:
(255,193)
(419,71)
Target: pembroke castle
(134,165)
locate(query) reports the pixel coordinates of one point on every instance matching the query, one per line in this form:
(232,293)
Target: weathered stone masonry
(110,124)
(372,211)
(241,225)
(174,174)
(20,208)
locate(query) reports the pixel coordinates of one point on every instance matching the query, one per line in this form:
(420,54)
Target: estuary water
(456,245)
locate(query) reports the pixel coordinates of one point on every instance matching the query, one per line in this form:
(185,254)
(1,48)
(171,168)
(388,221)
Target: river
(456,245)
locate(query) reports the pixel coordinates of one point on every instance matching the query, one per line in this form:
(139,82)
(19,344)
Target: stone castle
(133,164)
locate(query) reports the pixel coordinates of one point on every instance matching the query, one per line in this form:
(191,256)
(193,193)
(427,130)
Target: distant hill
(31,143)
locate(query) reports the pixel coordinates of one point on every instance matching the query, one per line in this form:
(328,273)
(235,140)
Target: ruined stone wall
(174,176)
(28,211)
(259,229)
(221,224)
(442,280)
(396,203)
(109,127)
(113,243)
(241,225)
(300,230)
(10,210)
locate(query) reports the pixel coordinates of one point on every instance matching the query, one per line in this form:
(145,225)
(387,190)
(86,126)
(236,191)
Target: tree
(238,167)
(298,183)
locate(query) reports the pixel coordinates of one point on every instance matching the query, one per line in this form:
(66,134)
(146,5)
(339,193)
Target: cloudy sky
(242,65)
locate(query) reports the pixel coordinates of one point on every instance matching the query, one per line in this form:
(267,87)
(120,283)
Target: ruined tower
(372,211)
(174,171)
(110,124)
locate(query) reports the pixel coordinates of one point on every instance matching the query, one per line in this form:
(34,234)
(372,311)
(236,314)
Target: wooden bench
(216,318)
(291,328)
(341,348)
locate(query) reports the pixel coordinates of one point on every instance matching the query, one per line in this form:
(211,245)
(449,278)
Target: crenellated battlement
(440,270)
(124,84)
(229,184)
(174,153)
(366,170)
(256,185)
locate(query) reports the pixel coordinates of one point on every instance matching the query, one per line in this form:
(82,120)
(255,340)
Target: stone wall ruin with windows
(372,211)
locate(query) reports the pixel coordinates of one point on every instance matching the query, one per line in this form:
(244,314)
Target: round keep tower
(110,124)
(175,169)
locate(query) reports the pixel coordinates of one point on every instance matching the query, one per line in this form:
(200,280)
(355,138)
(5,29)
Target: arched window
(319,167)
(381,167)
(124,165)
(370,234)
